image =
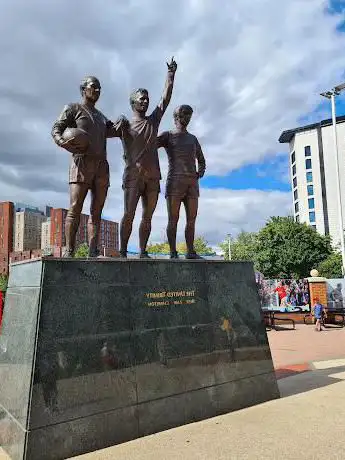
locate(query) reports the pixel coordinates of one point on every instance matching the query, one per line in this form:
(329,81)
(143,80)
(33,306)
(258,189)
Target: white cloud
(250,70)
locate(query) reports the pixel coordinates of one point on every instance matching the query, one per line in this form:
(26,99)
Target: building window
(312,216)
(297,218)
(313,227)
(308,163)
(294,182)
(293,158)
(311,203)
(309,176)
(310,189)
(295,195)
(296,207)
(294,170)
(307,151)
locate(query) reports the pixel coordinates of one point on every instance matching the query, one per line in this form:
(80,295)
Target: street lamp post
(332,95)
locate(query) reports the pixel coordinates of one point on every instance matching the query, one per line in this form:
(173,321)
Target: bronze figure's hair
(134,93)
(181,107)
(85,81)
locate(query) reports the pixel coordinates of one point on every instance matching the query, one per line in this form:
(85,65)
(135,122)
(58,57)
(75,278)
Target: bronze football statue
(142,172)
(183,150)
(83,131)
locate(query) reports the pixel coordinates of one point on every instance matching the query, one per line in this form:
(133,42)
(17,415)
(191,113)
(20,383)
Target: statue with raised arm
(183,150)
(83,131)
(142,172)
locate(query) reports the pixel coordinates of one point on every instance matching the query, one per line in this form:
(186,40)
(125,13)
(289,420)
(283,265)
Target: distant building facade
(108,237)
(28,230)
(6,234)
(45,234)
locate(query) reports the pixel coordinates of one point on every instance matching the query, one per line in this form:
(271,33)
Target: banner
(284,295)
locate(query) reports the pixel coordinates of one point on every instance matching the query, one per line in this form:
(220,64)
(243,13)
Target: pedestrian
(318,314)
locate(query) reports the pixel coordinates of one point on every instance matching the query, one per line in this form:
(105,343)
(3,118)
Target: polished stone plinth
(98,352)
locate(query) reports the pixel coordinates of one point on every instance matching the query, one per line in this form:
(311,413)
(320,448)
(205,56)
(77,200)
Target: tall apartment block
(313,175)
(28,228)
(6,234)
(45,234)
(108,237)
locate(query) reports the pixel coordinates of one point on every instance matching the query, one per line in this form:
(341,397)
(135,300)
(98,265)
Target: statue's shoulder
(72,107)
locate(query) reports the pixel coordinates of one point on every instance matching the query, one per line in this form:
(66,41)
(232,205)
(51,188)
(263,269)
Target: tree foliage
(331,267)
(82,251)
(158,248)
(243,247)
(3,282)
(288,249)
(200,246)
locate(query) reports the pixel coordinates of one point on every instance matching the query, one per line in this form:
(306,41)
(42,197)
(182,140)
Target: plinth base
(98,352)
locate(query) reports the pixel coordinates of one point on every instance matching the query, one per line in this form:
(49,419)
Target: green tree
(331,267)
(82,251)
(200,245)
(158,248)
(243,247)
(3,282)
(288,249)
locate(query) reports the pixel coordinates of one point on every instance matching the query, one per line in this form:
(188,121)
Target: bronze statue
(183,149)
(142,172)
(83,130)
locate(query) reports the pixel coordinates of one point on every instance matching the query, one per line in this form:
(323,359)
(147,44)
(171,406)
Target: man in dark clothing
(142,172)
(183,150)
(89,168)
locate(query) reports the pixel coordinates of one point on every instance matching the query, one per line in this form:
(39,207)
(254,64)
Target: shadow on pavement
(310,380)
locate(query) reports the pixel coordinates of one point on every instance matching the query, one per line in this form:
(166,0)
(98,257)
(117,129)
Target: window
(296,207)
(293,158)
(313,227)
(297,218)
(294,182)
(307,151)
(295,195)
(309,176)
(312,216)
(311,203)
(294,170)
(310,189)
(308,163)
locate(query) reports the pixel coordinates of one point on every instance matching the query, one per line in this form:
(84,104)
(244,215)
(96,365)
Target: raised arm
(201,160)
(169,85)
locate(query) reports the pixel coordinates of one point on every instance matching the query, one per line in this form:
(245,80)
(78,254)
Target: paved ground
(304,345)
(280,429)
(311,403)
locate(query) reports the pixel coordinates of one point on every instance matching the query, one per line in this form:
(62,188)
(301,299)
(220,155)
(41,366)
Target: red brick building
(108,237)
(6,234)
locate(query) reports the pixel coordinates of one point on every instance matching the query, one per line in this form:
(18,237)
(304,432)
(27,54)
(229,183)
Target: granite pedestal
(98,352)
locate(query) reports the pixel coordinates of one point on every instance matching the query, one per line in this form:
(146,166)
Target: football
(78,137)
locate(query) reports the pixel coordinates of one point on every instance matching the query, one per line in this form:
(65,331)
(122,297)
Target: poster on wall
(284,295)
(335,293)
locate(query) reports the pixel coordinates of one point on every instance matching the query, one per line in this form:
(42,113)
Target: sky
(250,69)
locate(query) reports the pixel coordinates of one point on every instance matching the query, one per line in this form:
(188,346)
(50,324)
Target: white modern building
(313,175)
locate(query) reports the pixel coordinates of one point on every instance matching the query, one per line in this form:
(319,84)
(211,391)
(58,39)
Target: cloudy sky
(250,69)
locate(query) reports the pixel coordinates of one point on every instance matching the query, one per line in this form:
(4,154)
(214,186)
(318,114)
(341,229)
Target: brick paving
(293,351)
